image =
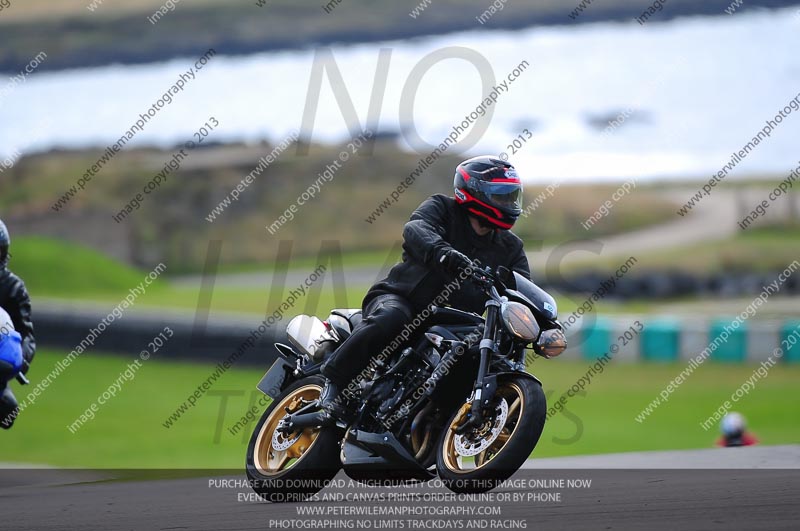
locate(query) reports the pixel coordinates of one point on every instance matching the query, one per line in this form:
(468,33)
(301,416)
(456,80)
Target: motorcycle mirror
(504,275)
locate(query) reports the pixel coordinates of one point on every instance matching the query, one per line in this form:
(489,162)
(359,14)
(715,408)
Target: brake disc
(467,447)
(281,442)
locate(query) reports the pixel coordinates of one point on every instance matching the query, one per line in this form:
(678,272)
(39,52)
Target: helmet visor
(503,195)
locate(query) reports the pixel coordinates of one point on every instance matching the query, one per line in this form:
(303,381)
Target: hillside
(171,223)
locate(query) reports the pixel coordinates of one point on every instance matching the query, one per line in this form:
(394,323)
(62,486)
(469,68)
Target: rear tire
(525,409)
(306,465)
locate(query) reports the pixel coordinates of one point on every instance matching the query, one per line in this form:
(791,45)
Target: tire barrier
(659,285)
(661,339)
(64,326)
(664,339)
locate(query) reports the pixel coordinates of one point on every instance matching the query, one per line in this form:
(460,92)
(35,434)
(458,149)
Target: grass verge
(128,431)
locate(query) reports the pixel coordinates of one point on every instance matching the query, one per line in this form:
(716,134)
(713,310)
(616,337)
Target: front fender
(490,383)
(518,373)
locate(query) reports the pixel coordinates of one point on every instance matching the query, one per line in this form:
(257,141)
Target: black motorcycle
(455,401)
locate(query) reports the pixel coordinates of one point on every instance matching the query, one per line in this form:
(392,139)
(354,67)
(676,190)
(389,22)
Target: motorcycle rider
(443,237)
(734,431)
(11,362)
(14,299)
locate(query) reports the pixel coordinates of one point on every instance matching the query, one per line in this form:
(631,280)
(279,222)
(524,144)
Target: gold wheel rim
(459,464)
(271,462)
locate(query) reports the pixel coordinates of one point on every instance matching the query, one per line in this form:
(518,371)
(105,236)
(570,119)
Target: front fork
(485,387)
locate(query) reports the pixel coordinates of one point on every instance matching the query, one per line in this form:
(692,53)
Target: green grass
(55,268)
(127,432)
(369,258)
(86,275)
(768,248)
(239,300)
(254,301)
(603,420)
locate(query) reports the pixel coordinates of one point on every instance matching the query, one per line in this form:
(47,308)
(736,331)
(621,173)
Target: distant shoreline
(71,43)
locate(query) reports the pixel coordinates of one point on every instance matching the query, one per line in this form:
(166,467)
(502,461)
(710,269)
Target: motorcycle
(453,401)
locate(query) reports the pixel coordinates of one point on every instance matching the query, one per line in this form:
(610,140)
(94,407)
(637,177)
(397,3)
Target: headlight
(519,321)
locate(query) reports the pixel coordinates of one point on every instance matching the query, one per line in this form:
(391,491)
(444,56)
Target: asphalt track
(740,488)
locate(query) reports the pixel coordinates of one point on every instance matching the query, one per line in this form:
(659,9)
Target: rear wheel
(478,460)
(286,467)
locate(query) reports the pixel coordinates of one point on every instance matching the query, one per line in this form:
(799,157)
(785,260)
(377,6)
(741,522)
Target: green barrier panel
(732,350)
(790,341)
(661,340)
(596,339)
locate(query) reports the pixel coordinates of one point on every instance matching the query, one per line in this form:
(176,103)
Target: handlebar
(493,282)
(485,278)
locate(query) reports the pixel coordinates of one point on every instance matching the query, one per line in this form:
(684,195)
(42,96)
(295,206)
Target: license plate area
(272,382)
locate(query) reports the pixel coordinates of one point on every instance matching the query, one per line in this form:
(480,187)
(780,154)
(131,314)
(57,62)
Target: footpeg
(318,419)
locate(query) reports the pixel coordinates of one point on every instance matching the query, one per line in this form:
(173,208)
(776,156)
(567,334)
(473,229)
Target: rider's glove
(453,262)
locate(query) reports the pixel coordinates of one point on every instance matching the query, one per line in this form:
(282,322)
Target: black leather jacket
(15,300)
(438,225)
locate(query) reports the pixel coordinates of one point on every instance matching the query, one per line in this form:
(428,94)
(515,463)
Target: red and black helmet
(490,189)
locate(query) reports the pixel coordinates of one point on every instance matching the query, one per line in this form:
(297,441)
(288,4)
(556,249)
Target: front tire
(306,461)
(484,457)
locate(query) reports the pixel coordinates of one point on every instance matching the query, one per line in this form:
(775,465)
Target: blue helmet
(732,425)
(10,348)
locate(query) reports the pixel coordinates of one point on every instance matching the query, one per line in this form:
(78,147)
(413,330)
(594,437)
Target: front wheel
(480,459)
(286,467)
